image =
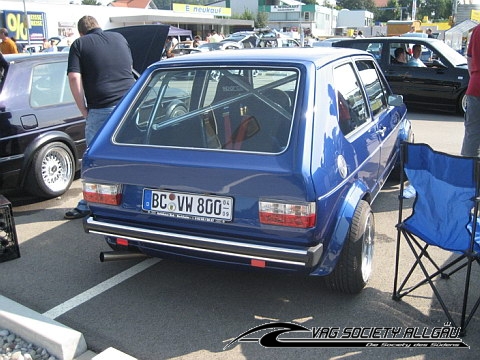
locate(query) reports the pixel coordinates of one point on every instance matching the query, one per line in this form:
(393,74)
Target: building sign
(17,26)
(286,8)
(202,10)
(475,15)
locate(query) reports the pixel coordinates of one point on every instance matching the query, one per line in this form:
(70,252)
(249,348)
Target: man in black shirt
(99,73)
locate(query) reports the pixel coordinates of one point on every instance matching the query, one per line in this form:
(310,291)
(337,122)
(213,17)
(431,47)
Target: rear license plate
(190,206)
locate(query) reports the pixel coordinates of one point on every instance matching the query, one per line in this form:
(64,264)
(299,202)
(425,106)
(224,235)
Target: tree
(91,2)
(262,20)
(368,5)
(434,9)
(246,15)
(390,14)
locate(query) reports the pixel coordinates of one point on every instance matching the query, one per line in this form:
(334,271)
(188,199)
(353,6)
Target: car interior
(237,112)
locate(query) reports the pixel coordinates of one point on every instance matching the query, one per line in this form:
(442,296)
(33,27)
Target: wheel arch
(39,142)
(359,191)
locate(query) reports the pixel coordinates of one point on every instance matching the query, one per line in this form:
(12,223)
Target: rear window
(50,85)
(234,109)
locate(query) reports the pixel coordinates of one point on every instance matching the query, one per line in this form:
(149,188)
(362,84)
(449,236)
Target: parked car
(440,85)
(270,41)
(183,51)
(42,132)
(276,171)
(35,48)
(187,44)
(244,39)
(221,45)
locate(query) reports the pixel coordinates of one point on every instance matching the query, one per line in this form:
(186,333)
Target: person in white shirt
(215,37)
(415,59)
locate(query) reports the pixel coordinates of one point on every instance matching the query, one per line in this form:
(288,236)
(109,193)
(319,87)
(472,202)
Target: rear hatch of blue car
(210,155)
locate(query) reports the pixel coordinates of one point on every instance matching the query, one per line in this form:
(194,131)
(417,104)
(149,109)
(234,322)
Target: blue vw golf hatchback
(267,158)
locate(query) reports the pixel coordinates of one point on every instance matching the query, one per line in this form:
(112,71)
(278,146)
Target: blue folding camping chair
(444,215)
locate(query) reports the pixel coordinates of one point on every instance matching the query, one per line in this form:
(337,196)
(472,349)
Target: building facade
(48,19)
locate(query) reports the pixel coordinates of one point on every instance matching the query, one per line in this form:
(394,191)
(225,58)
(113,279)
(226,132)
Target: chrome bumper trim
(307,257)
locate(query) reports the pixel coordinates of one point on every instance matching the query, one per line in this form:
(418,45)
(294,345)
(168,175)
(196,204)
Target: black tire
(52,171)
(354,267)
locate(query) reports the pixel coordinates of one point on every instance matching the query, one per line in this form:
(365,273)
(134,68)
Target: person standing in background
(100,72)
(46,44)
(53,46)
(3,66)
(20,47)
(471,138)
(7,46)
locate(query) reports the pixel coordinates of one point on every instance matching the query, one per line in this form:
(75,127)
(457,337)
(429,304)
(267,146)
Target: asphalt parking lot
(158,309)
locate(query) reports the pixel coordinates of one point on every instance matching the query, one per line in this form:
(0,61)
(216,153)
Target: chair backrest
(227,88)
(446,188)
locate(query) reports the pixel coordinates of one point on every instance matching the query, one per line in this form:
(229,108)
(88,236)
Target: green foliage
(91,2)
(434,9)
(246,15)
(262,20)
(368,5)
(385,15)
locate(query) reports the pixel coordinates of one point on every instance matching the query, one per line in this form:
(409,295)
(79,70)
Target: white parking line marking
(100,288)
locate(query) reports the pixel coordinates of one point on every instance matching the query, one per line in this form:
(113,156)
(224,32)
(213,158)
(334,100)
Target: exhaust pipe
(120,255)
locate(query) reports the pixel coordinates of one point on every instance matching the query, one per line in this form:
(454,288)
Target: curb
(59,340)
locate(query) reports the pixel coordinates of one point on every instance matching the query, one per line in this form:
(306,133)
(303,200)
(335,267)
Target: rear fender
(41,141)
(359,191)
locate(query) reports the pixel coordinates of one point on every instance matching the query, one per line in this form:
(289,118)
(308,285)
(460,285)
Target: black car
(441,84)
(42,132)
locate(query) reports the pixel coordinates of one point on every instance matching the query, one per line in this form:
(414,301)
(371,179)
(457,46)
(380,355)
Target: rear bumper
(206,247)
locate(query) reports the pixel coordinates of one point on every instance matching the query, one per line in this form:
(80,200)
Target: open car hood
(146,43)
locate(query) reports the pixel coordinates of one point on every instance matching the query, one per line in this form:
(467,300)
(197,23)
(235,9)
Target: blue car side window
(352,108)
(373,86)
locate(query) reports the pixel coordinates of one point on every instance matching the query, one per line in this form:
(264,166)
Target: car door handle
(381,131)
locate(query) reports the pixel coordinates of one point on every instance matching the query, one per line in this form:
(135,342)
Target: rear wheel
(354,267)
(52,171)
(176,109)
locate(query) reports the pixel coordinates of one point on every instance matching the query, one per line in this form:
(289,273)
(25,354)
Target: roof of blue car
(319,56)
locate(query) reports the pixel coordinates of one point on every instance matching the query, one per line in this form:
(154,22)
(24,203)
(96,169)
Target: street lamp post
(414,9)
(26,22)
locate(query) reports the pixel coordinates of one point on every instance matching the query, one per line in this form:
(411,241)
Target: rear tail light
(103,194)
(284,214)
